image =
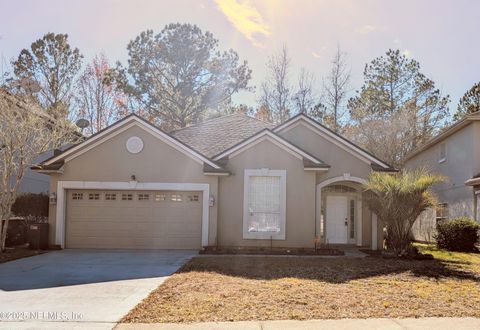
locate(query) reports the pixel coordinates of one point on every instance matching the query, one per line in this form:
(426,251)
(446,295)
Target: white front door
(337,219)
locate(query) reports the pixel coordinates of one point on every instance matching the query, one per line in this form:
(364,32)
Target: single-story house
(454,153)
(232,181)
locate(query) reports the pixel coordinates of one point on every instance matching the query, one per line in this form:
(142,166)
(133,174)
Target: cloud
(367,29)
(317,54)
(246,19)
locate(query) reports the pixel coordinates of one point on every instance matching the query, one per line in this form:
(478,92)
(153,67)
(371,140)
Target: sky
(442,35)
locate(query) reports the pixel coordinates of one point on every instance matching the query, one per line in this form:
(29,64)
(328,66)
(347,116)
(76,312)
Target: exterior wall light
(53,197)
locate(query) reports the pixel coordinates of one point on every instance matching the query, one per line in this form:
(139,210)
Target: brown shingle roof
(213,136)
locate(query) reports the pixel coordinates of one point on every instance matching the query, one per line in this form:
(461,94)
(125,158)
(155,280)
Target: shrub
(32,207)
(457,235)
(398,199)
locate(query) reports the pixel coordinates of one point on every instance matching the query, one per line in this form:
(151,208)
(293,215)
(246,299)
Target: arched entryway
(340,210)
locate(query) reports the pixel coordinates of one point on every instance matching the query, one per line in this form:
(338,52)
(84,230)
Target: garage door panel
(133,219)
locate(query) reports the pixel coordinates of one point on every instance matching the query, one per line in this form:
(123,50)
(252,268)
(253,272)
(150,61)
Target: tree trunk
(3,237)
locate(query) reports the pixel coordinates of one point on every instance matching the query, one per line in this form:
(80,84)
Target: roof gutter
(446,133)
(472,182)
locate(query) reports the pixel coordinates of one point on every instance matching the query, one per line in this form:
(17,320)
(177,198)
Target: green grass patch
(463,260)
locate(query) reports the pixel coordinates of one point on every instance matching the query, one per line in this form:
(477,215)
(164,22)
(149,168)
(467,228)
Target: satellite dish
(82,123)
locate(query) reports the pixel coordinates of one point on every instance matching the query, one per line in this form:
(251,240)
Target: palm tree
(398,199)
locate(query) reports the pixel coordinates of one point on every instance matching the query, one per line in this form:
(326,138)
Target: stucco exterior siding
(104,163)
(458,166)
(300,190)
(158,162)
(341,161)
(461,163)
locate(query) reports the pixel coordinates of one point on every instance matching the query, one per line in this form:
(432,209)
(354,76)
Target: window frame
(125,197)
(110,196)
(77,196)
(283,203)
(176,197)
(93,196)
(441,212)
(160,197)
(143,197)
(442,157)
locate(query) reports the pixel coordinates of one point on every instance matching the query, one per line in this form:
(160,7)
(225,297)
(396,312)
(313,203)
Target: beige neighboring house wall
(461,163)
(158,162)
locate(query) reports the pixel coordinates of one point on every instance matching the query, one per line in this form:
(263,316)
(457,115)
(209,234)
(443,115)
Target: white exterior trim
(318,204)
(283,203)
(269,136)
(359,220)
(374,232)
(331,137)
(62,186)
(130,122)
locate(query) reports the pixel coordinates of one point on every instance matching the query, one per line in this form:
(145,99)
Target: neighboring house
(33,182)
(455,153)
(229,181)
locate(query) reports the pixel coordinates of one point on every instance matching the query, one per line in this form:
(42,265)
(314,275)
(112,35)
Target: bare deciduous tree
(389,139)
(26,132)
(276,90)
(96,101)
(336,87)
(304,98)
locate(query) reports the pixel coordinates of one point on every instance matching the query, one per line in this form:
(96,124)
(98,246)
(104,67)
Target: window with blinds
(264,204)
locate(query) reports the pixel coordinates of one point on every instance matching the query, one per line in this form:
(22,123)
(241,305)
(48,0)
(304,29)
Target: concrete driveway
(88,288)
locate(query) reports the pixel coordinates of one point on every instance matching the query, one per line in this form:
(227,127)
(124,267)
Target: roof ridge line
(203,122)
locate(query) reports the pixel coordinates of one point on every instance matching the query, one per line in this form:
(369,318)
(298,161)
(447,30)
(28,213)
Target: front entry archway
(341,219)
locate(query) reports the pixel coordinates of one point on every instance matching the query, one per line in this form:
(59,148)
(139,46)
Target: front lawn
(234,288)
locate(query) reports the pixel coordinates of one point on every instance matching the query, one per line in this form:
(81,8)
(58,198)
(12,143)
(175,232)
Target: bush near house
(32,207)
(27,208)
(458,235)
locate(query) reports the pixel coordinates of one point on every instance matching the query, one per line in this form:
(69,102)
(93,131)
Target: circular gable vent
(134,145)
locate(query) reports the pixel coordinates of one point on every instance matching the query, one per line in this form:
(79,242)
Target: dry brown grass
(235,288)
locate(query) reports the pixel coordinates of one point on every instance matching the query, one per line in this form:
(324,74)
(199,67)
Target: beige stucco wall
(300,190)
(340,160)
(158,162)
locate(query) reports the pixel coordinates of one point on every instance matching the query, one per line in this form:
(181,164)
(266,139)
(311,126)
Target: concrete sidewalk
(434,323)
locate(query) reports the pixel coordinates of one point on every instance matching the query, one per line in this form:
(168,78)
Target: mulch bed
(235,288)
(18,253)
(271,251)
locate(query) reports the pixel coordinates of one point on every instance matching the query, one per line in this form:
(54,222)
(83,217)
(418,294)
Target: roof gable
(332,137)
(121,126)
(267,134)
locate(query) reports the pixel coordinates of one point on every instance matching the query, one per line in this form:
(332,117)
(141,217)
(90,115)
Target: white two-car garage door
(133,219)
